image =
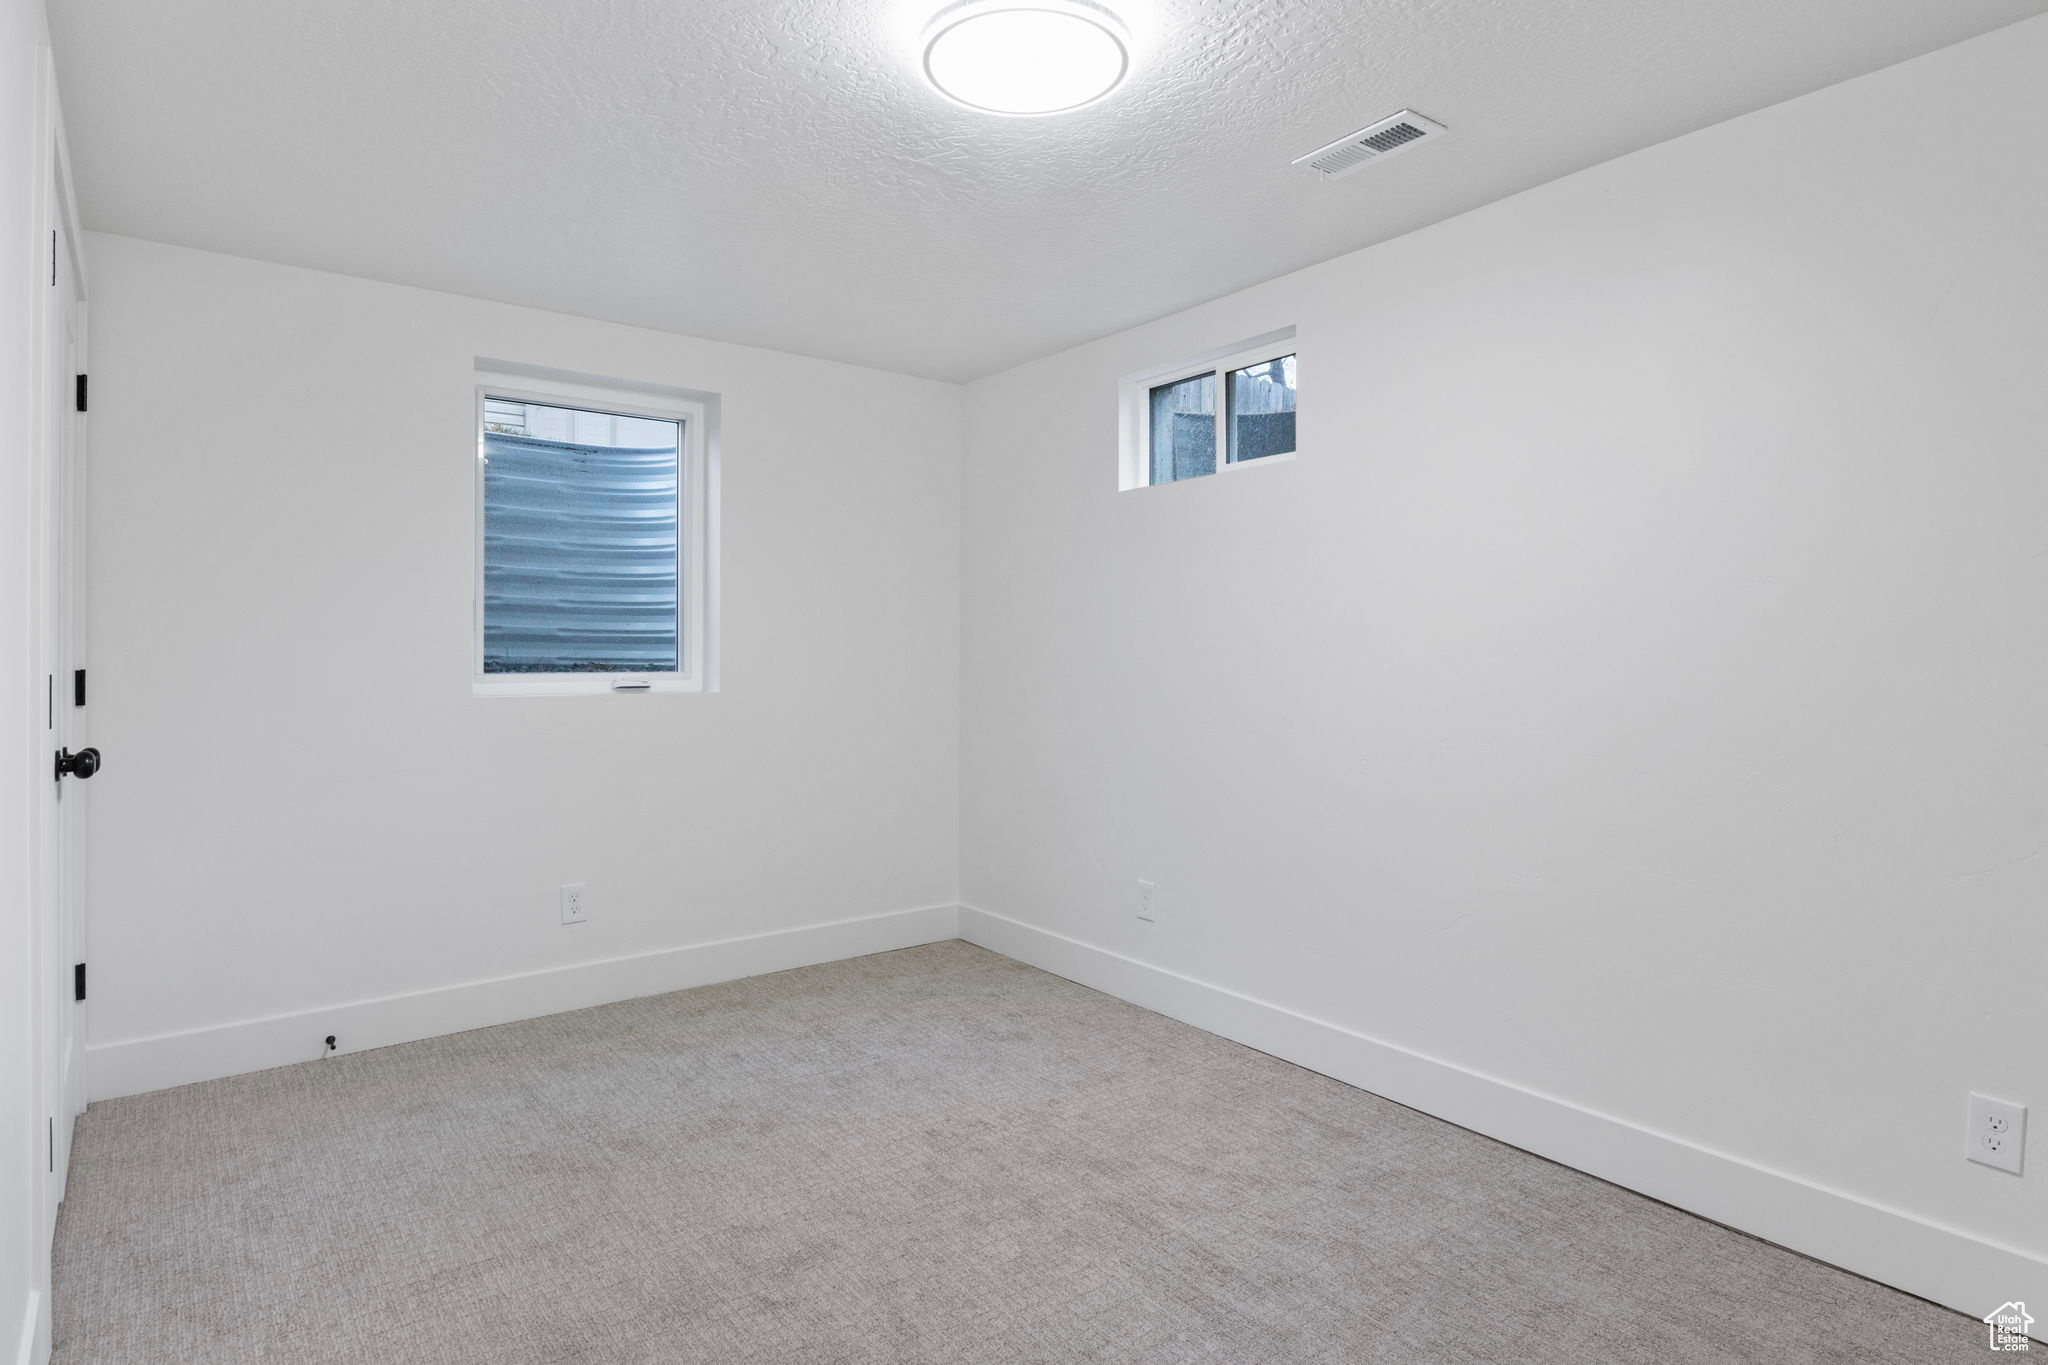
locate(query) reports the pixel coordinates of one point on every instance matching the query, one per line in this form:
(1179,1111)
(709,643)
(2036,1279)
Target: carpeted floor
(923,1156)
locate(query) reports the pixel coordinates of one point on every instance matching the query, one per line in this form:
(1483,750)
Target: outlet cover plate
(1997,1135)
(575,902)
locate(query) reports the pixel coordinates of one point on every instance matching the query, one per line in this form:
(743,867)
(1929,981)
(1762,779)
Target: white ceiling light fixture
(1026,56)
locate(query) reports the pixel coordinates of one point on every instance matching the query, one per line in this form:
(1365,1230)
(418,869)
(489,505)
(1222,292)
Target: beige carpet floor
(935,1155)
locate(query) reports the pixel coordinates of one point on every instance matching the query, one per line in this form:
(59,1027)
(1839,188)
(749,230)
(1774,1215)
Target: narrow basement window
(1183,429)
(1262,410)
(1211,413)
(590,556)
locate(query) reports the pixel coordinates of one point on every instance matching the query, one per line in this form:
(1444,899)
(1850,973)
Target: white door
(66,760)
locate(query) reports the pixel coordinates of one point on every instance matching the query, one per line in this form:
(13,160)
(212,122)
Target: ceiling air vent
(1367,145)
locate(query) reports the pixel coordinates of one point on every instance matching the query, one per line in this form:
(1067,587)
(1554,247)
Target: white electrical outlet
(575,902)
(1998,1133)
(1145,902)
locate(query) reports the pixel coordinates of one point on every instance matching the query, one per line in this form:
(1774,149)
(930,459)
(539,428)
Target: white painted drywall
(304,806)
(1634,692)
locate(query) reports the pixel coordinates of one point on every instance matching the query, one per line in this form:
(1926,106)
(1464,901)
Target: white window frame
(694,523)
(1134,465)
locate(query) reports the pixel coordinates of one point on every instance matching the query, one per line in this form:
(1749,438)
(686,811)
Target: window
(1183,429)
(591,555)
(1262,410)
(1214,412)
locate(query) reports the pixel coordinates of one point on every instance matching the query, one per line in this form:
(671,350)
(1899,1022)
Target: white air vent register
(1390,135)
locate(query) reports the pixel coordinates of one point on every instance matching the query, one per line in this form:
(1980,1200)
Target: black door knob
(84,763)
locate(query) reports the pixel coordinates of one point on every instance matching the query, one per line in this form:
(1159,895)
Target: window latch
(631,685)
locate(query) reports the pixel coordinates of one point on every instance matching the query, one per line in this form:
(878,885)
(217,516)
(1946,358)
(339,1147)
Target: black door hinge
(81,393)
(78,982)
(78,687)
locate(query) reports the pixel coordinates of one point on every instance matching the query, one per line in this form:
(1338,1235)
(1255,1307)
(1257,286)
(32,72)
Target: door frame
(56,639)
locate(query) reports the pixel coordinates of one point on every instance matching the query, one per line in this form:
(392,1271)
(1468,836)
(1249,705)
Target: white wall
(1632,695)
(305,808)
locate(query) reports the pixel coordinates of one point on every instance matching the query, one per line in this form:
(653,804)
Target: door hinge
(81,393)
(53,258)
(78,687)
(78,982)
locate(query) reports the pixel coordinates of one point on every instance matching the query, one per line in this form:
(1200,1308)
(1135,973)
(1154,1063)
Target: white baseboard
(134,1065)
(35,1332)
(1935,1262)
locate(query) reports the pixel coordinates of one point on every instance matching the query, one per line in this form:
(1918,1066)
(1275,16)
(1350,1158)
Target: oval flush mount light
(1025,56)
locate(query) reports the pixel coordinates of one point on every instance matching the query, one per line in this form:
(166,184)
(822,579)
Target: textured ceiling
(776,171)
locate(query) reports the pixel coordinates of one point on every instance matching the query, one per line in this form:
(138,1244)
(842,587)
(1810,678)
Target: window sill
(1281,458)
(1285,457)
(579,685)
